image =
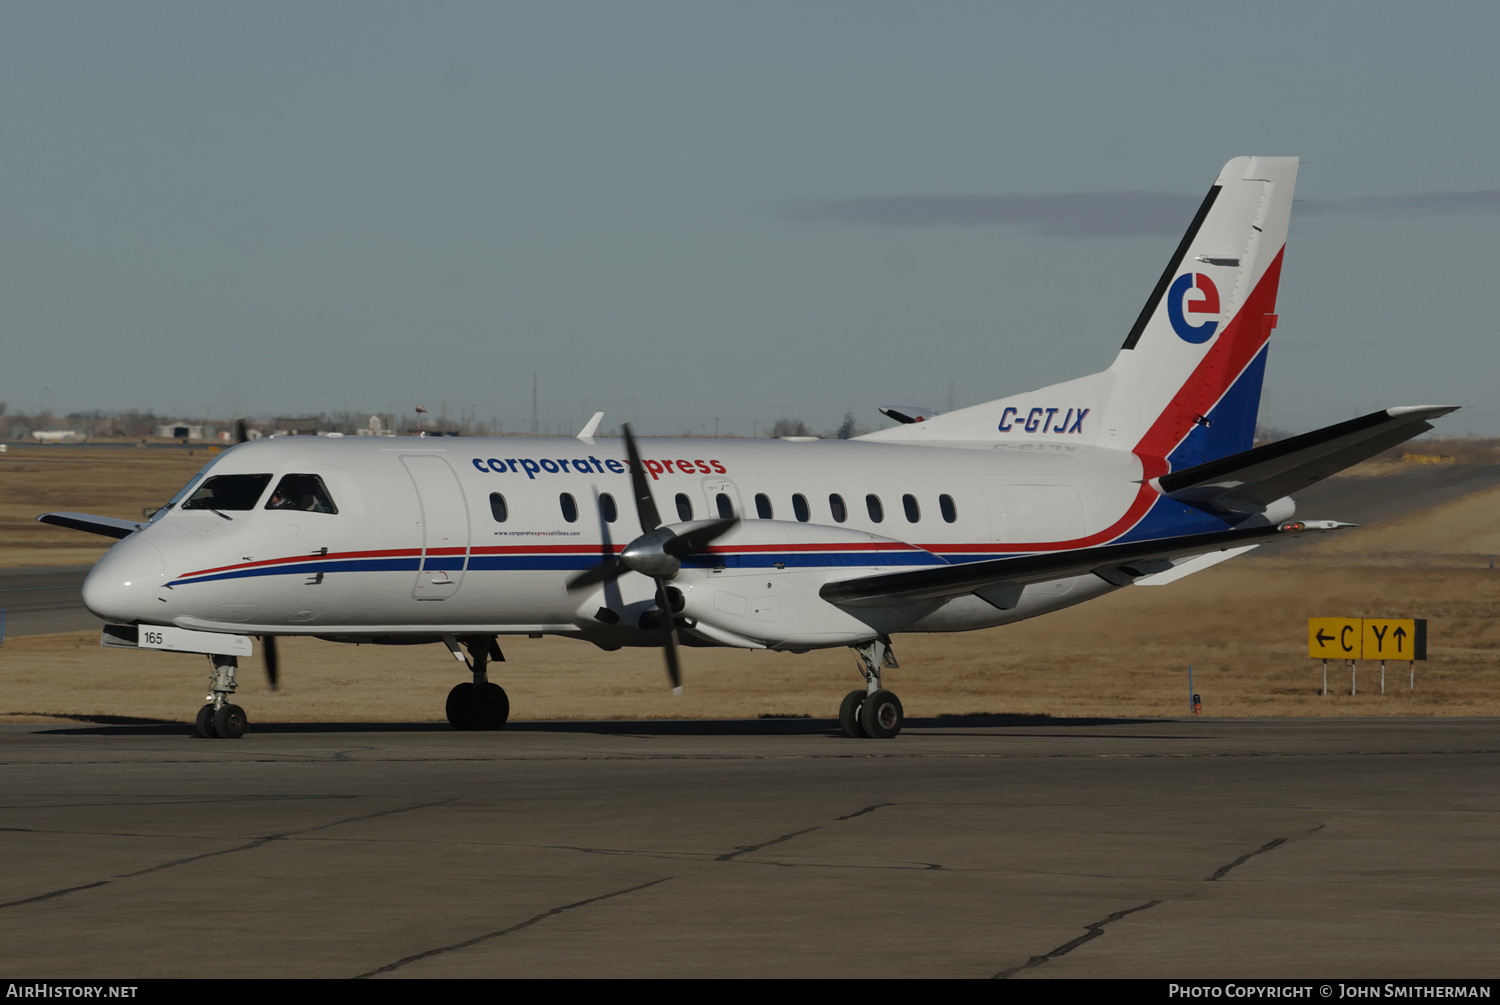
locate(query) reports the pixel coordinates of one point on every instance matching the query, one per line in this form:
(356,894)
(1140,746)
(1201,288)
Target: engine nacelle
(757,587)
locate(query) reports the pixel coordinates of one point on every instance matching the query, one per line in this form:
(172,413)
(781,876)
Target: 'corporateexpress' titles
(593,465)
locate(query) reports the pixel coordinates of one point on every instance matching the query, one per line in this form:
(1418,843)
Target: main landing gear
(220,718)
(481,704)
(872,711)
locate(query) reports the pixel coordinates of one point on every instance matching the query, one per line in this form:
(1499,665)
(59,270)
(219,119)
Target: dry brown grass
(1242,626)
(118,482)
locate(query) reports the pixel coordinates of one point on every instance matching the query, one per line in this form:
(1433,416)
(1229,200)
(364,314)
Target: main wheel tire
(461,707)
(205,722)
(881,715)
(491,706)
(230,722)
(849,715)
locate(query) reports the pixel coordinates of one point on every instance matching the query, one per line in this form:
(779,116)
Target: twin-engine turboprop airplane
(983,516)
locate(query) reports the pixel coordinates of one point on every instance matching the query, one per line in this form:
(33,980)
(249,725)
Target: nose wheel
(221,719)
(873,712)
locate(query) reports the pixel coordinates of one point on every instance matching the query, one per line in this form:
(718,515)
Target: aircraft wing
(107,525)
(1253,479)
(1116,563)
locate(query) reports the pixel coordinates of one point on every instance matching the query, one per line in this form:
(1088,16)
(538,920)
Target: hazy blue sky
(738,210)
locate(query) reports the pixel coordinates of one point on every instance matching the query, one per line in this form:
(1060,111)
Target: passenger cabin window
(498,508)
(799,508)
(913,511)
(304,493)
(607,508)
(950,511)
(877,512)
(231,492)
(569,507)
(762,505)
(684,507)
(726,508)
(836,504)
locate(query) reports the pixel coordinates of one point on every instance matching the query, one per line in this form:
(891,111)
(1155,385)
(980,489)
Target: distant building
(307,426)
(180,431)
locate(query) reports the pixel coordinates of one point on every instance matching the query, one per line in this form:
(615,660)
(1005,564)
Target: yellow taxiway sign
(1334,638)
(1367,638)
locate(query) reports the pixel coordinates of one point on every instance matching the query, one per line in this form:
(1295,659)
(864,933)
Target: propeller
(273,663)
(657,553)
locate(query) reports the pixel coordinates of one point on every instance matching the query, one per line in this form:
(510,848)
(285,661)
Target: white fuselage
(418,546)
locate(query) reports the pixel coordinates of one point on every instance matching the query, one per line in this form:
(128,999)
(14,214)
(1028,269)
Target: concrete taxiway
(965,847)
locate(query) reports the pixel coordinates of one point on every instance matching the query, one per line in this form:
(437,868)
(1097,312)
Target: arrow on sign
(1400,634)
(1323,640)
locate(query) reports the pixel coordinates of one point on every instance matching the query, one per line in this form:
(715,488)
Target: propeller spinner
(657,553)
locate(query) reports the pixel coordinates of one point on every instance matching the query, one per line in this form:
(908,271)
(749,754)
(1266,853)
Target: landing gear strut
(874,711)
(481,704)
(221,718)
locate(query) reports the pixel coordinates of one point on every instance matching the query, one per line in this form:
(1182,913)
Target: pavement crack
(56,893)
(260,841)
(1092,932)
(247,846)
(1097,928)
(867,809)
(1223,869)
(507,931)
(1268,846)
(631,852)
(745,849)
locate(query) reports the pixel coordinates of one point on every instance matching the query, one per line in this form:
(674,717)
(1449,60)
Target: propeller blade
(669,636)
(604,572)
(644,504)
(273,665)
(239,431)
(695,541)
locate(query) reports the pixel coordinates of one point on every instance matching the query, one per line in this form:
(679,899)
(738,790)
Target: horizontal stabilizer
(1251,480)
(107,525)
(1113,562)
(907,413)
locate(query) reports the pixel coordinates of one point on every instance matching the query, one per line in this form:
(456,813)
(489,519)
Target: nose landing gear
(481,704)
(221,719)
(873,712)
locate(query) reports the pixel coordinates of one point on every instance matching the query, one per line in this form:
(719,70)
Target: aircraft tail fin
(1185,387)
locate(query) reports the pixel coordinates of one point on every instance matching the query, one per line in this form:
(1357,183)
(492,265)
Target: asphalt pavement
(44,599)
(973,847)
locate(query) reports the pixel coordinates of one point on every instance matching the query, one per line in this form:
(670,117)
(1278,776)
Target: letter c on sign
(478,464)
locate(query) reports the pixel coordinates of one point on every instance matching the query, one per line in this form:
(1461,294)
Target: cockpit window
(228,492)
(181,493)
(304,493)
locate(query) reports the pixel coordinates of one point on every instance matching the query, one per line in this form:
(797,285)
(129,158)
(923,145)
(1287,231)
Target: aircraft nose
(122,583)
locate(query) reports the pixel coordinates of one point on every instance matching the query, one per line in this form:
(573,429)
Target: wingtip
(1304,525)
(1426,411)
